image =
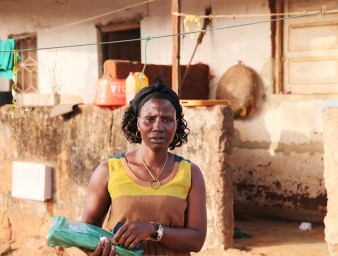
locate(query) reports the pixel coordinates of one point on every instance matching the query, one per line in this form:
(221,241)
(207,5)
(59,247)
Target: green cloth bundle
(81,235)
(7,58)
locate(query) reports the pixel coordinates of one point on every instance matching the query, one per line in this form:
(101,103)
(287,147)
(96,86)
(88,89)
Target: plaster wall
(281,143)
(76,143)
(278,158)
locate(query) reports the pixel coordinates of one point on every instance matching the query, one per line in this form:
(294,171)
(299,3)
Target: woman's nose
(158,125)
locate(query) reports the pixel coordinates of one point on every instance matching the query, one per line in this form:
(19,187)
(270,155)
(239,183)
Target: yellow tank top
(134,200)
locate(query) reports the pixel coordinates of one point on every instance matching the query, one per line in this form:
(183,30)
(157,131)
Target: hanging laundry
(7,58)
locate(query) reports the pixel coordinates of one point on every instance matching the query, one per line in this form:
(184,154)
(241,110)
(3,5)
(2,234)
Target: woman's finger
(133,244)
(106,247)
(98,249)
(112,251)
(126,238)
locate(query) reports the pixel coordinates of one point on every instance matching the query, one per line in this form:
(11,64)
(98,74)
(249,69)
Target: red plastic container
(110,92)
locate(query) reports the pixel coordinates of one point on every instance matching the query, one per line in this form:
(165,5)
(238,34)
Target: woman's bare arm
(98,199)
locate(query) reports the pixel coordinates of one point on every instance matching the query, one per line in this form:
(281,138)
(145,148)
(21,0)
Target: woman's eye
(168,120)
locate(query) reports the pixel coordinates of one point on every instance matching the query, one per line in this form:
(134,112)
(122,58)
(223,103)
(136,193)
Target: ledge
(34,99)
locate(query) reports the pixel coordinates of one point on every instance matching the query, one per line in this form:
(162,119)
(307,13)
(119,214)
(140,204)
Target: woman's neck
(154,159)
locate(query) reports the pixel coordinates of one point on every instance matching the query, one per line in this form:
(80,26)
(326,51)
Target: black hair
(159,91)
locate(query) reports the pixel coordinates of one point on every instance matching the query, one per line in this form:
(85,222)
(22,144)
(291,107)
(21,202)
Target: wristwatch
(158,232)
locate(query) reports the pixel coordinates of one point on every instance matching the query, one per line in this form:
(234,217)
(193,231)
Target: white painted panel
(31,181)
(313,71)
(313,36)
(311,75)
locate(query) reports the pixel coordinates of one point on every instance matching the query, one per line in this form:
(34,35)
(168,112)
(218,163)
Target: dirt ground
(280,238)
(269,238)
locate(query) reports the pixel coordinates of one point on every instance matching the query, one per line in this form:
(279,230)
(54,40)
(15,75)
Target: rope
(83,20)
(145,62)
(178,34)
(322,11)
(100,15)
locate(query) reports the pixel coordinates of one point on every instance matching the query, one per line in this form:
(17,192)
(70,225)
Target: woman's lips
(158,139)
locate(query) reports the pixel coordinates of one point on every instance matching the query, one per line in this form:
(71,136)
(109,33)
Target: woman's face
(157,123)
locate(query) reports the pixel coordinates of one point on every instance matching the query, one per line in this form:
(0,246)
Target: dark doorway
(122,51)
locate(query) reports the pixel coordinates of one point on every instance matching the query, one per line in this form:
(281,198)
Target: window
(308,54)
(120,51)
(28,66)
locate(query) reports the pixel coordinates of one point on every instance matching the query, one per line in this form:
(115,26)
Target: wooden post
(279,50)
(176,24)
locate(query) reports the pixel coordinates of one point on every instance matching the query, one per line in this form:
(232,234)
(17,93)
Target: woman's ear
(138,124)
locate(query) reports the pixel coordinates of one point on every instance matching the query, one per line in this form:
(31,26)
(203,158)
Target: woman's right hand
(103,249)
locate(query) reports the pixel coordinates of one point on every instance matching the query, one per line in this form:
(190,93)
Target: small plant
(54,76)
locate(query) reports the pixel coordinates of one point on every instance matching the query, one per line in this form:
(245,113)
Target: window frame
(29,63)
(112,27)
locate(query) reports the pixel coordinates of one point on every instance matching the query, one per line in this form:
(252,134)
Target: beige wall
(74,145)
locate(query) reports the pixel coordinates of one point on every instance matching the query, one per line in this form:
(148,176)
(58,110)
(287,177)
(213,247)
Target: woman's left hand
(103,249)
(132,232)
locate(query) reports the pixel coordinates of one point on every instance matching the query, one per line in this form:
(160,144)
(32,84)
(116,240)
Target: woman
(160,197)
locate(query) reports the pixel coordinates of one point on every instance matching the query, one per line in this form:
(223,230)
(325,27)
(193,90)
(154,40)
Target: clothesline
(178,34)
(47,30)
(102,15)
(323,10)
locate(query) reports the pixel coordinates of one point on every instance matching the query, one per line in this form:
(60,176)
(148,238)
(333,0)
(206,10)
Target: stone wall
(74,144)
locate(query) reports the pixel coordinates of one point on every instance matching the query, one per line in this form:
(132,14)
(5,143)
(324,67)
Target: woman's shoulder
(187,163)
(116,162)
(181,158)
(193,167)
(101,173)
(108,164)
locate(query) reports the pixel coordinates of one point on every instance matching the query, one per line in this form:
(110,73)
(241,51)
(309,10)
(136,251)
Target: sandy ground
(280,238)
(269,238)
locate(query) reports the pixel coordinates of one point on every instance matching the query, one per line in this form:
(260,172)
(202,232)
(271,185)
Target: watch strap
(157,236)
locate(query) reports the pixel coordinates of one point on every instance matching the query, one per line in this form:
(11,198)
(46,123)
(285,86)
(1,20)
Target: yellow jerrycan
(134,84)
